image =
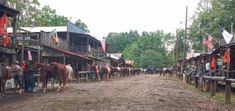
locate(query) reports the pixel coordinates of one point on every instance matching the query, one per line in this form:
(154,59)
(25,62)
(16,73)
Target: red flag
(3,29)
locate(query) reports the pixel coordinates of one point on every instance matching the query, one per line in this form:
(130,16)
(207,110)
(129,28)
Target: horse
(115,71)
(106,70)
(168,71)
(44,72)
(69,71)
(59,72)
(9,72)
(97,72)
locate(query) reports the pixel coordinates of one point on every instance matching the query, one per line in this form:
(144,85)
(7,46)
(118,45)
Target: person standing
(29,79)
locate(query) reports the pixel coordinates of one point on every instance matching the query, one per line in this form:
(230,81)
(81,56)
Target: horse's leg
(20,84)
(45,85)
(3,87)
(64,81)
(60,81)
(98,76)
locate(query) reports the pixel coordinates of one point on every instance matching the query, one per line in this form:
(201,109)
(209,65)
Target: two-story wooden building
(65,44)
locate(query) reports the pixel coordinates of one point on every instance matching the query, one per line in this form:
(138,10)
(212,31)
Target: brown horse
(56,71)
(45,73)
(9,72)
(167,71)
(97,72)
(59,72)
(106,70)
(125,71)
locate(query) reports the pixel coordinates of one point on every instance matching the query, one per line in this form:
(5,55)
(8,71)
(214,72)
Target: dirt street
(137,93)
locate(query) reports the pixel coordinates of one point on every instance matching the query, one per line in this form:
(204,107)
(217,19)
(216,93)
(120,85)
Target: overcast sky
(104,16)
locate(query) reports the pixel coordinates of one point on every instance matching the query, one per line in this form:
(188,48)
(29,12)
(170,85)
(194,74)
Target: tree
(28,11)
(48,17)
(151,50)
(82,25)
(119,41)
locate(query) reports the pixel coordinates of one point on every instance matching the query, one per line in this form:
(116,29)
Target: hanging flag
(29,56)
(54,37)
(227,36)
(103,45)
(205,41)
(225,57)
(212,62)
(3,29)
(209,43)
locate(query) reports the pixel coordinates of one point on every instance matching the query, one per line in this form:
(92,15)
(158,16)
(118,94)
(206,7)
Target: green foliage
(180,36)
(28,10)
(119,41)
(48,17)
(150,50)
(81,25)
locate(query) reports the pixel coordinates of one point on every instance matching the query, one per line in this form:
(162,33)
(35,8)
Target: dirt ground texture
(136,93)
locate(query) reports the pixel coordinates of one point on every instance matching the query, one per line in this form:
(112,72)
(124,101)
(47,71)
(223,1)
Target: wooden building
(66,44)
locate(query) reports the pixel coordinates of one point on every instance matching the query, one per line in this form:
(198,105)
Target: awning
(69,53)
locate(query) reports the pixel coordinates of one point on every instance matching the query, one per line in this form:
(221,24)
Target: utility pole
(185,32)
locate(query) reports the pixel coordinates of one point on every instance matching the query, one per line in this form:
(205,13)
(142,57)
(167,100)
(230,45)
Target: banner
(29,56)
(3,29)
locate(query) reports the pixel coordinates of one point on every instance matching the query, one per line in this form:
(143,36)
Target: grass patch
(219,96)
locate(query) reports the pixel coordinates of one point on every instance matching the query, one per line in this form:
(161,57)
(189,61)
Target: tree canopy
(209,17)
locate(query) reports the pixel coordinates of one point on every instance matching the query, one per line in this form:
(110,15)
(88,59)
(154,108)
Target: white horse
(69,71)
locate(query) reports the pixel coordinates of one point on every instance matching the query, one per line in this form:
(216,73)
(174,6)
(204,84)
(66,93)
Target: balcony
(84,50)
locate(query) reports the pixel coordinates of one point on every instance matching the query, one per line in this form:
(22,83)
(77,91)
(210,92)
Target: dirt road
(138,93)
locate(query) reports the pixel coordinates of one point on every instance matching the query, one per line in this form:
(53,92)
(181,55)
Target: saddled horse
(59,72)
(9,72)
(106,70)
(54,70)
(45,73)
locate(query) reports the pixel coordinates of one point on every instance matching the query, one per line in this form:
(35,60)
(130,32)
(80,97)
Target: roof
(69,53)
(70,28)
(39,29)
(112,56)
(9,11)
(118,55)
(73,28)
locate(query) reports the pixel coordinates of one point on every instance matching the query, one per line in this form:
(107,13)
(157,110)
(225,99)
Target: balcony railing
(84,50)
